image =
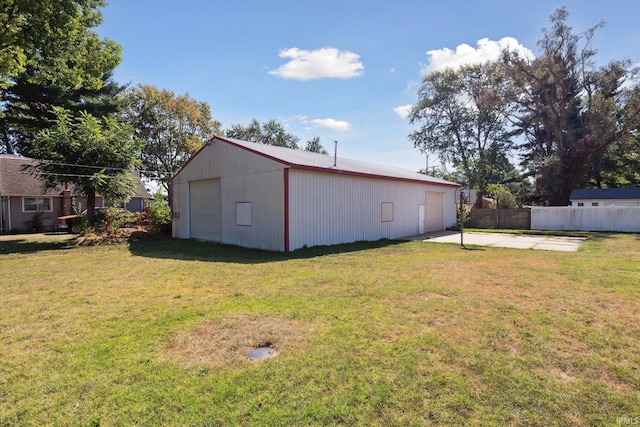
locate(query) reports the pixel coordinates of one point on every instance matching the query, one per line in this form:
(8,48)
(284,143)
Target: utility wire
(145,171)
(140,171)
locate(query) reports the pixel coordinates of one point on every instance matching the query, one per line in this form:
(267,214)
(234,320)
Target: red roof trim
(191,158)
(314,168)
(212,141)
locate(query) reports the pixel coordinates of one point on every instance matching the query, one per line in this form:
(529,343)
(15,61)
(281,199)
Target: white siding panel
(204,209)
(327,209)
(265,192)
(180,210)
(244,177)
(609,218)
(435,211)
(220,160)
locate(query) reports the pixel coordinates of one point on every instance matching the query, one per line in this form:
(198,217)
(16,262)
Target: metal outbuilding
(274,198)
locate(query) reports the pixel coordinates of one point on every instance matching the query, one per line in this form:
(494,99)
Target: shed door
(435,211)
(205,209)
(421,221)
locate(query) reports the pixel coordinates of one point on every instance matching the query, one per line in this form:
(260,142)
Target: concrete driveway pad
(502,240)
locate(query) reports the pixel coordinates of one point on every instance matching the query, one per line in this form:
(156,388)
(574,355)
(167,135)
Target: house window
(387,212)
(243,213)
(594,204)
(36,204)
(580,203)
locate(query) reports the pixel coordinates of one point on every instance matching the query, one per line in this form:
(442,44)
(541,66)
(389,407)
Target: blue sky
(340,70)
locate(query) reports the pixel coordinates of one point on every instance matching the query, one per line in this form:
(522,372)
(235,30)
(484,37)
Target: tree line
(568,122)
(60,104)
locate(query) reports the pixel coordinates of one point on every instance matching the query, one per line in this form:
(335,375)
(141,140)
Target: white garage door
(435,211)
(205,209)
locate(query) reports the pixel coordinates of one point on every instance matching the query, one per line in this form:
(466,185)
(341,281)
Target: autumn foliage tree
(172,128)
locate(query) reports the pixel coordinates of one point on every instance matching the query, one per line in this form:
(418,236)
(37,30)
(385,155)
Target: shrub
(159,215)
(110,220)
(35,223)
(503,198)
(80,225)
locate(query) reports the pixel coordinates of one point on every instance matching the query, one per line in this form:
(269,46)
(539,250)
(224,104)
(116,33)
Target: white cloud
(326,62)
(488,50)
(403,111)
(392,70)
(332,124)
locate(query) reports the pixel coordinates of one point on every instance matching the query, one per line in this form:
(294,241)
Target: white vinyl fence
(607,218)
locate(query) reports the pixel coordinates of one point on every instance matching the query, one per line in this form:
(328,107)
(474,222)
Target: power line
(72,175)
(81,166)
(139,171)
(105,167)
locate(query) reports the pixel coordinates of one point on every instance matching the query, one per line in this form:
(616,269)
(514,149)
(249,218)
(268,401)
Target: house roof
(299,159)
(14,181)
(605,193)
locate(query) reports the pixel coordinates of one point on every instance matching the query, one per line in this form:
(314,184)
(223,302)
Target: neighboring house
(280,199)
(22,196)
(605,197)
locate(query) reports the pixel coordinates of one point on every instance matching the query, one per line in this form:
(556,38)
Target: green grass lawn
(387,333)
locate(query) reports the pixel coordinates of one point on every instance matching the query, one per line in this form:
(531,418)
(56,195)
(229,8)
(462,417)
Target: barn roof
(298,159)
(605,193)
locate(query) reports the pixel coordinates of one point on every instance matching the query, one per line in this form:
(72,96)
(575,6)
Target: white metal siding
(204,210)
(324,208)
(421,219)
(605,202)
(244,177)
(329,208)
(609,218)
(180,210)
(265,192)
(434,211)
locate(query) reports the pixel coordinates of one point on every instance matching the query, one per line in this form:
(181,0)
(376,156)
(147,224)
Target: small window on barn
(243,213)
(387,211)
(594,204)
(580,203)
(36,204)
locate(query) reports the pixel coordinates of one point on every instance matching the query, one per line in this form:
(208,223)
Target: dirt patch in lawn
(119,236)
(225,341)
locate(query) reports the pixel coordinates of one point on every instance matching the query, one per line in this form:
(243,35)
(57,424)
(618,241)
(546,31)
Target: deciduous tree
(95,155)
(503,198)
(172,127)
(54,38)
(271,133)
(49,56)
(461,114)
(314,146)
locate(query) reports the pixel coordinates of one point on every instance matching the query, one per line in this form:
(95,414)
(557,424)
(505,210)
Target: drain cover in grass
(261,353)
